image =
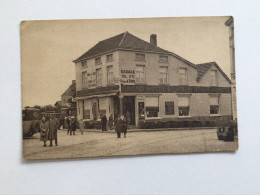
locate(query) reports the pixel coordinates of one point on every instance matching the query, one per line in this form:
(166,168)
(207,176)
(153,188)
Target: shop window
(110,77)
(84,79)
(213,75)
(139,57)
(86,114)
(84,64)
(109,57)
(214,105)
(98,61)
(163,75)
(184,106)
(163,59)
(99,77)
(182,76)
(151,106)
(140,74)
(169,108)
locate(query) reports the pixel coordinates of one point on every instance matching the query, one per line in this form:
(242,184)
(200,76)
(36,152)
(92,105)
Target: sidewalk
(145,130)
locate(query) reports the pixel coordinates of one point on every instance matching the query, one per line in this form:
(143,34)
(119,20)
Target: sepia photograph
(124,87)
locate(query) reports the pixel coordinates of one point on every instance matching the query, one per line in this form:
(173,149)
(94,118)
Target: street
(94,144)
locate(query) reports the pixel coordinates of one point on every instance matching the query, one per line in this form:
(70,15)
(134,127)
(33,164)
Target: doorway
(129,108)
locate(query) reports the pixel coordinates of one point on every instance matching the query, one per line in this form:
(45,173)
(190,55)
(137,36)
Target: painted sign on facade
(173,89)
(91,80)
(127,76)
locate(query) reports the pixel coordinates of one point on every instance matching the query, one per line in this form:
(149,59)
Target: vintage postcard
(123,87)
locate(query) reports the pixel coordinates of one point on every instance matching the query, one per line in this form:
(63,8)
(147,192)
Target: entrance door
(129,109)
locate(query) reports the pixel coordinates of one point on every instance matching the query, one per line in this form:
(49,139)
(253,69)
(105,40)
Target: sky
(49,47)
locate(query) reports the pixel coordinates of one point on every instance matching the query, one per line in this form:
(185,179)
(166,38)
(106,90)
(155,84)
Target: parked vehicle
(31,121)
(228,132)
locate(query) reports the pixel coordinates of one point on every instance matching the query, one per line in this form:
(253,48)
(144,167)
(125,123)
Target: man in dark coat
(68,121)
(54,124)
(121,126)
(104,123)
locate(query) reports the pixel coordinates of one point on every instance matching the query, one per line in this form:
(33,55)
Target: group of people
(49,130)
(72,125)
(50,126)
(121,124)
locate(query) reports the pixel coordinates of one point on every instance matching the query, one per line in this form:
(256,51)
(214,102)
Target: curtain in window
(213,100)
(183,101)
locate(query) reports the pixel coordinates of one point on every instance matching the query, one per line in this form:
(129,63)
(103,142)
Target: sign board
(173,89)
(127,76)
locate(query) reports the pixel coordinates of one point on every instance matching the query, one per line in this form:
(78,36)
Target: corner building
(124,74)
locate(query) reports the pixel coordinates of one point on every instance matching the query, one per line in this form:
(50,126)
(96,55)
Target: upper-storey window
(163,75)
(99,77)
(213,75)
(110,77)
(183,76)
(163,59)
(139,57)
(84,64)
(140,74)
(84,79)
(109,57)
(98,61)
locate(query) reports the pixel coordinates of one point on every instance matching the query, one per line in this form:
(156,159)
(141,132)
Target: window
(84,79)
(139,57)
(213,75)
(183,76)
(214,105)
(139,74)
(84,64)
(152,106)
(98,61)
(99,77)
(109,57)
(163,75)
(184,106)
(163,59)
(169,108)
(110,78)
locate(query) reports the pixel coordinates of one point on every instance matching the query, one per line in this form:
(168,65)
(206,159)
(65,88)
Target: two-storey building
(124,74)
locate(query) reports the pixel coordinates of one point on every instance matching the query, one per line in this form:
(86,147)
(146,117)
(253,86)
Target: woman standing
(44,127)
(110,121)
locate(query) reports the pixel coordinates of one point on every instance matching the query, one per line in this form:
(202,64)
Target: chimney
(153,39)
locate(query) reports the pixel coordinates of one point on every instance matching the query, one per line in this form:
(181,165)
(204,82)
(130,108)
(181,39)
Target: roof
(125,41)
(203,69)
(71,91)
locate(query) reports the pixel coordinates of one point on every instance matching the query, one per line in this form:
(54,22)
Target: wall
(127,61)
(221,80)
(91,69)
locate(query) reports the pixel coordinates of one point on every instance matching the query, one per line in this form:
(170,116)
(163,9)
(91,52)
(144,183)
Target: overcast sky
(49,47)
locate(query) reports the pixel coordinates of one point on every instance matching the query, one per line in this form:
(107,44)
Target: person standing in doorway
(104,123)
(128,117)
(54,124)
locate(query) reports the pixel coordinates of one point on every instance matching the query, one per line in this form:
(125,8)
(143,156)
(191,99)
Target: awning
(96,96)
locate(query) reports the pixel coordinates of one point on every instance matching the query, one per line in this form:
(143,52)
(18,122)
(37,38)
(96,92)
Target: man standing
(54,124)
(104,123)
